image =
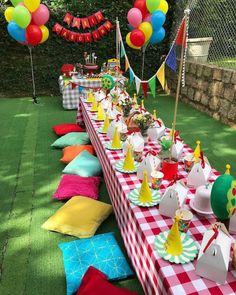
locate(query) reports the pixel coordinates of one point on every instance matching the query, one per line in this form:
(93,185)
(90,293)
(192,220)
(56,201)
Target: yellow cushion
(79,217)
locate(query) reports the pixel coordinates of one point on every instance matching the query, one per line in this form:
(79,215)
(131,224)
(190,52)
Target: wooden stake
(178,85)
(117,39)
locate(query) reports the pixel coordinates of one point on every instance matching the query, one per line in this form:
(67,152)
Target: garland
(86,22)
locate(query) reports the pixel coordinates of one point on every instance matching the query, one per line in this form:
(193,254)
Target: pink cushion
(73,185)
(95,282)
(63,129)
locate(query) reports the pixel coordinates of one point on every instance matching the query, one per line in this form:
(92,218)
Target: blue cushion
(72,138)
(84,165)
(101,252)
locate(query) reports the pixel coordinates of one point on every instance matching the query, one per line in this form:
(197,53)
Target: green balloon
(21,16)
(16,2)
(107,82)
(219,198)
(152,5)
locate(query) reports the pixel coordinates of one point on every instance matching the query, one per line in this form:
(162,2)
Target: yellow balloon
(32,5)
(128,41)
(9,14)
(163,6)
(45,33)
(146,27)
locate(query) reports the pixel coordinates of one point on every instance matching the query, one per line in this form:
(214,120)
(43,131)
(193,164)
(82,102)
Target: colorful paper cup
(185,219)
(188,162)
(156,178)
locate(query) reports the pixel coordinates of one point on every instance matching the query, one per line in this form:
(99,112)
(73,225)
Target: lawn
(30,260)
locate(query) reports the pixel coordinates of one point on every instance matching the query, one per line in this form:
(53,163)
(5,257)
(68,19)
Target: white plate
(200,212)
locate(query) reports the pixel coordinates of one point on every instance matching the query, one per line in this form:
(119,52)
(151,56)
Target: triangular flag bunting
(73,85)
(152,86)
(137,83)
(131,75)
(171,59)
(126,64)
(161,75)
(180,35)
(122,50)
(145,88)
(66,82)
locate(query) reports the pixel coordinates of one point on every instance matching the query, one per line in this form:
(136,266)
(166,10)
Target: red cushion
(63,129)
(95,282)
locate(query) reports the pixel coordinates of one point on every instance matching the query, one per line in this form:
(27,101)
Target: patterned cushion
(95,282)
(74,185)
(70,152)
(63,129)
(79,217)
(85,165)
(72,138)
(101,251)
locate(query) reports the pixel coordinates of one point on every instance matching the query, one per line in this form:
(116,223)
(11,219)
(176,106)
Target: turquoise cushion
(72,138)
(85,165)
(101,252)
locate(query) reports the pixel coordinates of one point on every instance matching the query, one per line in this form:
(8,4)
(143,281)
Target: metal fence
(212,31)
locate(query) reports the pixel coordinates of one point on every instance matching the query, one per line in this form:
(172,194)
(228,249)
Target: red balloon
(137,37)
(141,5)
(33,35)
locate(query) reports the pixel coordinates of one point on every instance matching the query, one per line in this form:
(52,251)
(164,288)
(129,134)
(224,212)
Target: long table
(139,226)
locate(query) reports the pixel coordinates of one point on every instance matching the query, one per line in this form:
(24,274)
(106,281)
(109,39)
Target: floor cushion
(70,152)
(79,217)
(101,252)
(72,138)
(73,185)
(62,129)
(85,165)
(95,282)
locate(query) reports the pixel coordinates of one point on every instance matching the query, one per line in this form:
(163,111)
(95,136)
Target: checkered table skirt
(70,97)
(139,227)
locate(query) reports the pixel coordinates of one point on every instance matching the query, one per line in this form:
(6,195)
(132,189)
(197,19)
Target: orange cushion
(70,152)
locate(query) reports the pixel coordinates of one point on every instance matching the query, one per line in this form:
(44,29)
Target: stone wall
(209,89)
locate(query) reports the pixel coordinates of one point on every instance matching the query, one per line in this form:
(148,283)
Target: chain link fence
(212,31)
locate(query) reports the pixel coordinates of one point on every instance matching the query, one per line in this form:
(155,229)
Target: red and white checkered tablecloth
(139,227)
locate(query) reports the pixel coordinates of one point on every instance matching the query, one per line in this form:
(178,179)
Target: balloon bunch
(146,19)
(26,21)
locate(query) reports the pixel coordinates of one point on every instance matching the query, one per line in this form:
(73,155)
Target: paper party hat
(90,96)
(116,144)
(135,101)
(227,171)
(154,114)
(173,242)
(142,104)
(94,105)
(145,194)
(129,161)
(172,131)
(106,124)
(100,114)
(197,151)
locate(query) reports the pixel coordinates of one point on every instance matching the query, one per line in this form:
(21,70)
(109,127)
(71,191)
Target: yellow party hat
(106,124)
(154,114)
(135,101)
(145,194)
(100,114)
(129,161)
(227,171)
(90,96)
(197,151)
(142,104)
(116,144)
(94,105)
(173,244)
(172,131)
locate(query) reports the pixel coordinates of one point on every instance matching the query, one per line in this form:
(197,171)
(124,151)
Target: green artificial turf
(30,260)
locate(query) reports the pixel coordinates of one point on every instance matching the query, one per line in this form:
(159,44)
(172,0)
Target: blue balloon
(157,36)
(158,19)
(130,27)
(16,32)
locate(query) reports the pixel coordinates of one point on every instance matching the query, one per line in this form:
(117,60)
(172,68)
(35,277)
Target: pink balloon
(134,17)
(147,18)
(41,15)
